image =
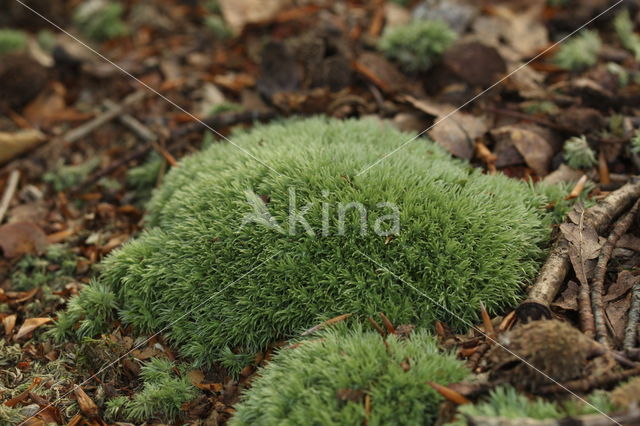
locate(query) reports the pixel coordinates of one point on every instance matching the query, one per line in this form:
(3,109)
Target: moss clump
(12,40)
(418,45)
(161,397)
(579,52)
(100,20)
(217,280)
(623,27)
(326,380)
(578,154)
(506,403)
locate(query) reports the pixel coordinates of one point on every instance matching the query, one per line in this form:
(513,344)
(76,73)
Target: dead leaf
(584,246)
(536,151)
(630,242)
(487,67)
(626,280)
(14,144)
(31,324)
(24,394)
(21,238)
(568,300)
(454,131)
(9,322)
(375,68)
(86,404)
(616,313)
(239,13)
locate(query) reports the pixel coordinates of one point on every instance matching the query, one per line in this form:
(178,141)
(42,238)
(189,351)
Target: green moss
(145,176)
(54,269)
(12,40)
(578,154)
(579,52)
(217,281)
(65,177)
(218,27)
(418,45)
(161,397)
(325,381)
(100,20)
(635,142)
(505,402)
(624,30)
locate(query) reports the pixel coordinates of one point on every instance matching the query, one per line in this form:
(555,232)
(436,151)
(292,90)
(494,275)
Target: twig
(597,285)
(9,191)
(326,324)
(555,269)
(587,323)
(143,132)
(375,325)
(631,331)
(90,126)
(578,188)
(132,123)
(449,394)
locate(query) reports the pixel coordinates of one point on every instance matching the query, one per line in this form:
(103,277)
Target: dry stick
(597,285)
(99,121)
(555,269)
(178,139)
(143,132)
(587,321)
(631,331)
(12,185)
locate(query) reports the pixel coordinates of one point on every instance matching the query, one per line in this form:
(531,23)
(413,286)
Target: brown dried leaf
(584,246)
(568,300)
(616,313)
(487,67)
(454,131)
(21,238)
(626,280)
(86,404)
(9,322)
(536,151)
(239,13)
(31,324)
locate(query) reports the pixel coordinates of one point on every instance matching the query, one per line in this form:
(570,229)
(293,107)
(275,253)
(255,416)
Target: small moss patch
(327,381)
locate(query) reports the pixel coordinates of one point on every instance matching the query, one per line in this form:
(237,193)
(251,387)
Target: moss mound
(327,381)
(220,282)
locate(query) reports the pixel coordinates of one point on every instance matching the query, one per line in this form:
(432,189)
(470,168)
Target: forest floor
(88,130)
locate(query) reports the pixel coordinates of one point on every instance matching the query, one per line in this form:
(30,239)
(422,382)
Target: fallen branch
(587,322)
(10,189)
(555,269)
(631,331)
(597,285)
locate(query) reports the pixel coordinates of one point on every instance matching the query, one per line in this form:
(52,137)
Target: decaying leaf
(21,238)
(31,324)
(9,322)
(239,13)
(584,246)
(14,144)
(625,282)
(455,131)
(568,299)
(536,151)
(86,404)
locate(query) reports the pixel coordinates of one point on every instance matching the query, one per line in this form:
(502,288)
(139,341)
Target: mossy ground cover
(218,283)
(326,380)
